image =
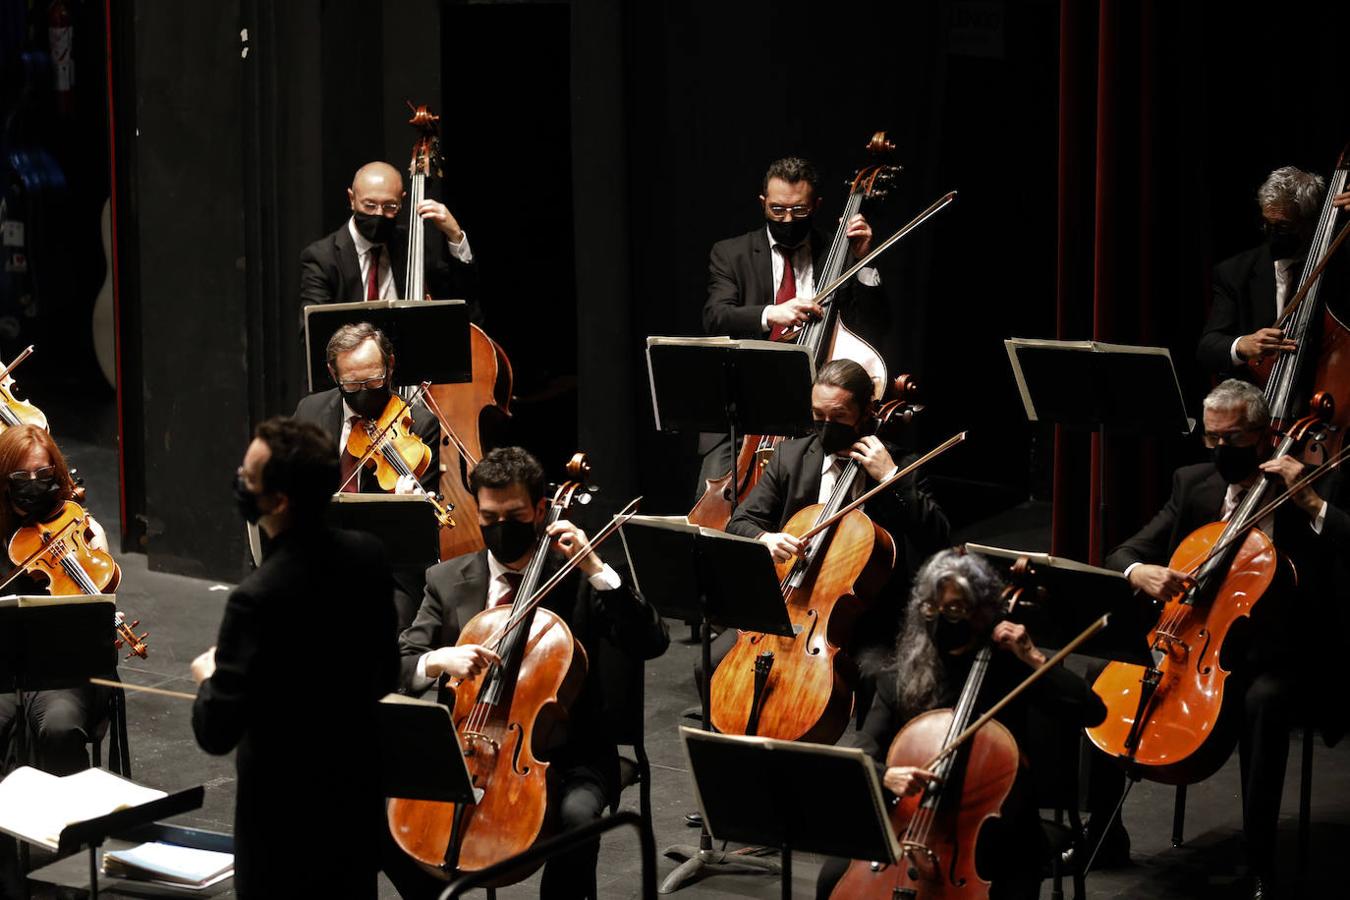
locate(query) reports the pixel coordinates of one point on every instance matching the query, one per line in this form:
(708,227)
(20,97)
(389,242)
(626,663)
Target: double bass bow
(801,688)
(462,406)
(501,715)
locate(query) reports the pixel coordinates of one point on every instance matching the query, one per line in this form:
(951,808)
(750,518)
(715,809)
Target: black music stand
(690,572)
(430,337)
(405,523)
(739,782)
(1090,385)
(417,739)
(1069,596)
(740,387)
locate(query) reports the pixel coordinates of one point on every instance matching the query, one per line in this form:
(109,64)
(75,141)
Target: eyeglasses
(371,207)
(1214,438)
(351,387)
(24,475)
(789,212)
(954,611)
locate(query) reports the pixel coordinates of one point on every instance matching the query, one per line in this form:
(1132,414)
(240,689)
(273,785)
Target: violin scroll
(127,637)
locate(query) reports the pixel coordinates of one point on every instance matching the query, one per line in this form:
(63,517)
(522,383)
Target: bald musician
(366,259)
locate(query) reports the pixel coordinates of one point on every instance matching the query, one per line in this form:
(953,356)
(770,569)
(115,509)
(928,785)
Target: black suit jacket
(740,285)
(1197,499)
(1243,288)
(324,408)
(330,271)
(457,590)
(277,707)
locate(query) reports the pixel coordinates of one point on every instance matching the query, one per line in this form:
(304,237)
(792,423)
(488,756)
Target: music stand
(405,524)
(690,572)
(740,387)
(739,781)
(1095,386)
(1069,596)
(430,337)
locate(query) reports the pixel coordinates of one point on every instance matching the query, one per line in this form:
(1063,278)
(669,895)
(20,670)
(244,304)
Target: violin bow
(620,519)
(1012,695)
(4,373)
(449,431)
(144,689)
(378,438)
(901,473)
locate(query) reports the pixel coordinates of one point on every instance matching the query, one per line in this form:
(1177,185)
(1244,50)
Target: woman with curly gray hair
(955,607)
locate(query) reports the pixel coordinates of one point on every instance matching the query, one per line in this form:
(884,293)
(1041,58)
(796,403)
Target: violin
(1169,721)
(465,405)
(801,687)
(828,338)
(392,450)
(14,411)
(501,715)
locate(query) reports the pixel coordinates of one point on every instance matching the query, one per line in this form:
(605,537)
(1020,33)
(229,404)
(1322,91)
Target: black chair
(623,691)
(1056,749)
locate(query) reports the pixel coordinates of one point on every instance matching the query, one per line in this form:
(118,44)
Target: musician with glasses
(37,482)
(361,363)
(366,259)
(761,282)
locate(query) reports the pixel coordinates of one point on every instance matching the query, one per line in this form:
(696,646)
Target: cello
(1171,721)
(801,687)
(462,406)
(827,338)
(501,715)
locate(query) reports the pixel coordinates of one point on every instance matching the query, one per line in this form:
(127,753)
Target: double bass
(828,338)
(461,406)
(501,715)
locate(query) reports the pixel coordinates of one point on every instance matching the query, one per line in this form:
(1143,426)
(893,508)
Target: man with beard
(1252,289)
(594,600)
(331,589)
(366,259)
(1273,671)
(761,283)
(954,608)
(361,363)
(805,471)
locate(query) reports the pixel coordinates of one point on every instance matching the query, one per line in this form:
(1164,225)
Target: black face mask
(368,403)
(35,497)
(508,539)
(951,637)
(790,233)
(835,436)
(246,502)
(1235,464)
(374,227)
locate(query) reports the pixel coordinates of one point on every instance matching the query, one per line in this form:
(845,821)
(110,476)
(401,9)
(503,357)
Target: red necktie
(373,277)
(787,288)
(512,585)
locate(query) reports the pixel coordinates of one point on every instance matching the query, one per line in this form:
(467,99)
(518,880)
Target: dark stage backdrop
(1105,155)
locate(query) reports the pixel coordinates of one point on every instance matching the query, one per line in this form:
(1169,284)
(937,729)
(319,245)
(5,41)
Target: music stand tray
(740,786)
(404,523)
(1071,595)
(430,337)
(55,642)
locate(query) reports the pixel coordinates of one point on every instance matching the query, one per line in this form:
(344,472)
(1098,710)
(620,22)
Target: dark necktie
(347,465)
(373,276)
(787,288)
(512,585)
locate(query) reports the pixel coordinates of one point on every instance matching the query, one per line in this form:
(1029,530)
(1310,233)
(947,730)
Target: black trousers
(582,801)
(1271,701)
(61,720)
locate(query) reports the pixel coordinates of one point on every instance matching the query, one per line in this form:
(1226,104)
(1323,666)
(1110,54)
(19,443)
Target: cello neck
(414,277)
(1282,390)
(961,718)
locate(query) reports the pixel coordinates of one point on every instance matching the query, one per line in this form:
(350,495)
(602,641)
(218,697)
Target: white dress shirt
(388,291)
(831,467)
